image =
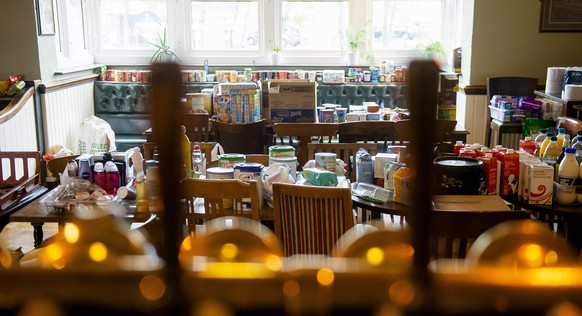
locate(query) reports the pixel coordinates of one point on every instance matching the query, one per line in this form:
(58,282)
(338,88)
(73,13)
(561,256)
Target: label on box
(292,116)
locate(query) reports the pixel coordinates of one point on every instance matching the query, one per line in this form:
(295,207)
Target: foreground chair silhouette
(310,219)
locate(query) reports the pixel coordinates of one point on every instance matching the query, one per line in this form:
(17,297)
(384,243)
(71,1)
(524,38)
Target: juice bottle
(551,152)
(561,136)
(185,154)
(539,140)
(545,144)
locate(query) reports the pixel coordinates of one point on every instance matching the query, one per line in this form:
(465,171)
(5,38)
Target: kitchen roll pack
(572,78)
(554,80)
(572,92)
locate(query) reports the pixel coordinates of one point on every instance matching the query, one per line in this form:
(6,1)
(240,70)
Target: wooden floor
(15,235)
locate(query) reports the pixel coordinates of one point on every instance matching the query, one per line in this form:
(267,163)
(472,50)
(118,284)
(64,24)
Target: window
(130,24)
(299,19)
(224,25)
(401,24)
(71,38)
(243,32)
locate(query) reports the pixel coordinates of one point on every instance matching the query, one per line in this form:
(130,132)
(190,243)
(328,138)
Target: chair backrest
(263,159)
(245,138)
(150,147)
(285,132)
(214,192)
(310,219)
(453,227)
(344,151)
(197,126)
(572,125)
(368,132)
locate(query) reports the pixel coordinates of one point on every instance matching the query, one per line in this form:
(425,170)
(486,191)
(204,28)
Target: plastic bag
(96,136)
(364,167)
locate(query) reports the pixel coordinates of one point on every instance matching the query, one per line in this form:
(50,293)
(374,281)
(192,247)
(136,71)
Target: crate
(19,175)
(515,115)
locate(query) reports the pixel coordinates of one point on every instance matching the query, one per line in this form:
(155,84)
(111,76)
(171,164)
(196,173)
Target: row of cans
(128,75)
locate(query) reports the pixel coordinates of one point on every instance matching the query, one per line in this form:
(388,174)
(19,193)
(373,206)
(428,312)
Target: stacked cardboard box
(237,102)
(292,101)
(447,98)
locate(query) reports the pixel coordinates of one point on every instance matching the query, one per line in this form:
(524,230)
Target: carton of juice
(490,170)
(527,145)
(509,172)
(541,181)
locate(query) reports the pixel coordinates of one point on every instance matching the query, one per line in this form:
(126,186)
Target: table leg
(38,234)
(574,232)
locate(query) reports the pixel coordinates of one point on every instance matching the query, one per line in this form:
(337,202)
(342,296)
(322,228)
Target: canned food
(230,160)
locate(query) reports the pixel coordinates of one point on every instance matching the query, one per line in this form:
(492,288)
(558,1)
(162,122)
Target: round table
(571,215)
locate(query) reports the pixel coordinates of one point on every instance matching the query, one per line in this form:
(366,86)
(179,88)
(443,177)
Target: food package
(320,177)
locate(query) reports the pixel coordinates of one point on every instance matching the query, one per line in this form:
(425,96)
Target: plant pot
(352,59)
(275,59)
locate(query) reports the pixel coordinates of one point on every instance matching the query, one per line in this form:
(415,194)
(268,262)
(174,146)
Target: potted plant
(276,55)
(434,50)
(164,53)
(355,40)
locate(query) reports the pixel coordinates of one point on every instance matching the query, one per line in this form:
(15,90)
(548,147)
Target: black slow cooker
(459,176)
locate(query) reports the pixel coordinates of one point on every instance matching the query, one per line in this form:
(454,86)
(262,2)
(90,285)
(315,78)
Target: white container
(325,161)
(289,161)
(541,181)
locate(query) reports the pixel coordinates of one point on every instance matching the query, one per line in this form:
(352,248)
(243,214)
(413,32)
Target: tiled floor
(16,235)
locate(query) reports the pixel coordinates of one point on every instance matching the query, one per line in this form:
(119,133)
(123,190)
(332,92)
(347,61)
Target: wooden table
(36,214)
(571,216)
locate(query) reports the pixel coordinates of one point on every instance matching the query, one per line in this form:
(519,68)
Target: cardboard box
(291,101)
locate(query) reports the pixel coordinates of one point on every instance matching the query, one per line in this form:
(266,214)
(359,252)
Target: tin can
(126,76)
(246,172)
(281,151)
(291,162)
(230,160)
(221,173)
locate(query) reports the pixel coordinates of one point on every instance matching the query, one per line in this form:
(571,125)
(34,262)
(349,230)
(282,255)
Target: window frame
(269,14)
(66,56)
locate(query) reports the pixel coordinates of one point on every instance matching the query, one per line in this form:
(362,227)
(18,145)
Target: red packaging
(490,170)
(509,172)
(468,152)
(527,145)
(458,146)
(497,150)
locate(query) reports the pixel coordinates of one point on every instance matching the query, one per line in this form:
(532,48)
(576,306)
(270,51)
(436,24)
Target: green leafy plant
(277,49)
(432,49)
(164,49)
(355,38)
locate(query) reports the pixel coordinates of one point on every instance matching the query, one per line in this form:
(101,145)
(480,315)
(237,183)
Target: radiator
(19,133)
(63,110)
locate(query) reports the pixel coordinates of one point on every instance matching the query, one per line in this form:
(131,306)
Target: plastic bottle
(578,146)
(577,138)
(539,140)
(154,195)
(567,175)
(112,178)
(185,149)
(85,170)
(558,162)
(141,192)
(527,145)
(99,175)
(545,143)
(551,152)
(561,136)
(197,161)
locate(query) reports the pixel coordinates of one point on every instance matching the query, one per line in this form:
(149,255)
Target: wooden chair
(310,219)
(246,138)
(572,125)
(306,132)
(515,86)
(368,132)
(197,126)
(344,151)
(452,232)
(213,192)
(258,158)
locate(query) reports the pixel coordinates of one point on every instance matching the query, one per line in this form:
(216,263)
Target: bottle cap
(570,150)
(553,138)
(98,167)
(196,147)
(111,167)
(561,130)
